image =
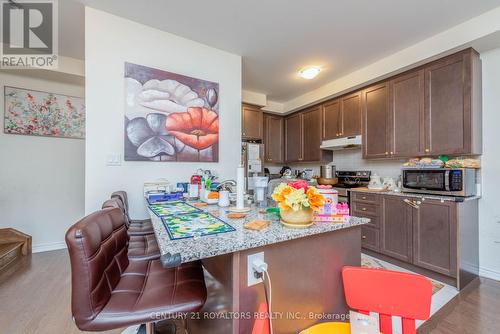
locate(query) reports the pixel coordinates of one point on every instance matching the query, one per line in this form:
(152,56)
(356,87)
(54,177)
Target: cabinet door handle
(392,153)
(364,197)
(386,153)
(363,237)
(363,209)
(411,203)
(427,150)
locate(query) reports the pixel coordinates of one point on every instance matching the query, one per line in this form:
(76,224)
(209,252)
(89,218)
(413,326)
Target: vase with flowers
(297,202)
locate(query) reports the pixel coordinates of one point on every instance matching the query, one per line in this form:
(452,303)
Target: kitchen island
(304,266)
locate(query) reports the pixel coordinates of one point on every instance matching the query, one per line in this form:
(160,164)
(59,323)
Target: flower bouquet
(297,203)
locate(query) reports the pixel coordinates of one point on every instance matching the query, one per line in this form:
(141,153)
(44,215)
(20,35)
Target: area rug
(371,262)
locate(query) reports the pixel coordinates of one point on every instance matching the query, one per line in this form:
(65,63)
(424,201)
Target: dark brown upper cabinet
(303,137)
(273,138)
(342,117)
(351,115)
(293,138)
(432,110)
(453,105)
(332,120)
(407,115)
(375,121)
(252,123)
(311,123)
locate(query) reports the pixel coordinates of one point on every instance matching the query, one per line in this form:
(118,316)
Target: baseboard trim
(47,247)
(488,273)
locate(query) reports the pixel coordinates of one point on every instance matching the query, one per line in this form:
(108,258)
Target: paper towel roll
(240,188)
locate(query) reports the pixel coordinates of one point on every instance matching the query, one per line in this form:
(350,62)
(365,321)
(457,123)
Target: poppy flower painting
(170,117)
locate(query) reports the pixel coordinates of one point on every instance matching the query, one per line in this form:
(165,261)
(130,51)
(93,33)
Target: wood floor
(35,295)
(476,310)
(35,298)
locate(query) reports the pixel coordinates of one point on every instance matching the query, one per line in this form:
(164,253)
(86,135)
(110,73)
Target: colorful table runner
(172,208)
(196,224)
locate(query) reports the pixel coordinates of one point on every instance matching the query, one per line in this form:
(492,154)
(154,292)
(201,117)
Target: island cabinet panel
(273,138)
(448,104)
(407,115)
(396,229)
(293,138)
(376,126)
(370,237)
(311,133)
(332,120)
(351,115)
(435,237)
(252,124)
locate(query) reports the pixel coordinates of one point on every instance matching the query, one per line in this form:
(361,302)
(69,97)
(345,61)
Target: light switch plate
(250,277)
(114,159)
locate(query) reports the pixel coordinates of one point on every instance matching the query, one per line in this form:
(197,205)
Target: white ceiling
(278,37)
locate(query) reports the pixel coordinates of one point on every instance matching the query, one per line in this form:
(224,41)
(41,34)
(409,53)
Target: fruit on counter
(463,163)
(424,163)
(443,161)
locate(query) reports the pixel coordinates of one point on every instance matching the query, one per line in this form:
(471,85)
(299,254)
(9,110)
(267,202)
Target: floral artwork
(194,225)
(29,112)
(297,195)
(170,117)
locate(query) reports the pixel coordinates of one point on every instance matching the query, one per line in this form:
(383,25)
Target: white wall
(489,208)
(111,41)
(41,178)
(481,32)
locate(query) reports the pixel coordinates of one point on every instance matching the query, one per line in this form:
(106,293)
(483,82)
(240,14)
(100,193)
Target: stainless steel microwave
(440,181)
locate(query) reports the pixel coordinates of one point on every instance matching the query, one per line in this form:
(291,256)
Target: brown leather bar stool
(122,195)
(109,292)
(136,227)
(140,247)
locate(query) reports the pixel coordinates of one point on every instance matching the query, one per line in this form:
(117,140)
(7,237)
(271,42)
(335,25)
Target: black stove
(350,179)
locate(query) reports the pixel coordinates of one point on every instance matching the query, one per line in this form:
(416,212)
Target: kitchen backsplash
(352,160)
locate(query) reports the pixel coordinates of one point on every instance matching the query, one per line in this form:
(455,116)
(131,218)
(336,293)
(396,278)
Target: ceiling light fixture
(309,72)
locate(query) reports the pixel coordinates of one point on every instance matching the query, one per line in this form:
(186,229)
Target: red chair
(261,325)
(388,293)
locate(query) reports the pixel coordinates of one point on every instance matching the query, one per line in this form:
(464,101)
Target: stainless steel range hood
(341,143)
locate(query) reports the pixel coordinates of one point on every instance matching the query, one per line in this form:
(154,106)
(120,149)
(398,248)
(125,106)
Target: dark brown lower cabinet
(422,232)
(435,237)
(396,229)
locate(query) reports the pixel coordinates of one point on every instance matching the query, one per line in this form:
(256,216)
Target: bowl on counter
(327,181)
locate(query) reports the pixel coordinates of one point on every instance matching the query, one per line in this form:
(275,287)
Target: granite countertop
(198,248)
(403,194)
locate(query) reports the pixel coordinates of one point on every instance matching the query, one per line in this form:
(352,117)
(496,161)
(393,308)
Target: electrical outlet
(114,159)
(252,280)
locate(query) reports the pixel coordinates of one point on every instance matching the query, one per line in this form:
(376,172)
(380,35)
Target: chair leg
(150,328)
